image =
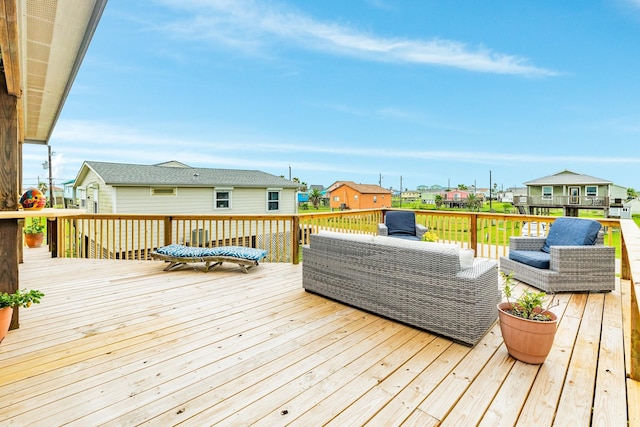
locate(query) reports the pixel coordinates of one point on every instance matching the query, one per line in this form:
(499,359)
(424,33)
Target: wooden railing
(597,202)
(630,270)
(132,236)
(135,236)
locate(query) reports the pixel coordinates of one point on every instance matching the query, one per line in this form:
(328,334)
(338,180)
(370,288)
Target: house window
(273,200)
(222,198)
(164,191)
(82,195)
(547,192)
(591,191)
(336,198)
(375,199)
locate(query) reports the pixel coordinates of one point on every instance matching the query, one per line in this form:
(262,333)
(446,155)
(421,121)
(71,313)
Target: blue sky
(430,92)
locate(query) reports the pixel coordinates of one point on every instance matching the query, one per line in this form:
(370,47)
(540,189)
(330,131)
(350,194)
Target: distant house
(571,192)
(455,198)
(176,188)
(410,196)
(69,194)
(349,195)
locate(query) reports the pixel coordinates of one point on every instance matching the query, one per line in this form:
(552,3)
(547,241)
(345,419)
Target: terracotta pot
(529,341)
(5,321)
(34,240)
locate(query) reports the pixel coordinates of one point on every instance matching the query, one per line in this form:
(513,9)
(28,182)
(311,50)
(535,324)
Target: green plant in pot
(528,328)
(20,298)
(34,232)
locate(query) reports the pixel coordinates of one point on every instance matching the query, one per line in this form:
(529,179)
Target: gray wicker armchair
(401,224)
(568,263)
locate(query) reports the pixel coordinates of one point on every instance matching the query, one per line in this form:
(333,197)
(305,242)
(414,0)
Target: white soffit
(54,36)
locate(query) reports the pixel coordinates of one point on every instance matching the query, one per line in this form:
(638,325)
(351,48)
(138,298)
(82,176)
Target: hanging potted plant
(19,298)
(34,233)
(527,328)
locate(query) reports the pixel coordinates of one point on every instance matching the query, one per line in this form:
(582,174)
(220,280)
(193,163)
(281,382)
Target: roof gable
(566,177)
(363,188)
(123,174)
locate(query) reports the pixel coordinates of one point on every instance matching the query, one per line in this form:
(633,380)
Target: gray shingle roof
(567,177)
(124,174)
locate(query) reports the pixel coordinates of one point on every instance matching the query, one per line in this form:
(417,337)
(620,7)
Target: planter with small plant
(34,232)
(528,328)
(20,298)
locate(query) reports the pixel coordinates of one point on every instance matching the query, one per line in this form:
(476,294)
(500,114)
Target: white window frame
(229,191)
(591,194)
(547,196)
(270,201)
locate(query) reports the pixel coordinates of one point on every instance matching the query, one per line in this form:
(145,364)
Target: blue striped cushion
(181,251)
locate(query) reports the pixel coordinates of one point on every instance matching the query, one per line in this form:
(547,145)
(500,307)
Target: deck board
(125,343)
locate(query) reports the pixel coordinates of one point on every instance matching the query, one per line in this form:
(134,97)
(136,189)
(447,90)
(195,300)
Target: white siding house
(174,188)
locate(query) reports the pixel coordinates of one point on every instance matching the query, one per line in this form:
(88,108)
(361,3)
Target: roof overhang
(43,43)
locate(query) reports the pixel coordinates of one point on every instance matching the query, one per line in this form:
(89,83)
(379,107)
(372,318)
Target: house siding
(244,201)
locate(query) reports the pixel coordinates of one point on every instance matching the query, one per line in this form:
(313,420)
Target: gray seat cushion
(537,259)
(567,231)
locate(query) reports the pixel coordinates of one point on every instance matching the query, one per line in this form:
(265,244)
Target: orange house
(349,195)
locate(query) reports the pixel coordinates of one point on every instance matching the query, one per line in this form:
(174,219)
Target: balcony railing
(596,202)
(135,236)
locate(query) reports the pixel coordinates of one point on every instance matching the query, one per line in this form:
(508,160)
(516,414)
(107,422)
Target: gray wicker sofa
(418,283)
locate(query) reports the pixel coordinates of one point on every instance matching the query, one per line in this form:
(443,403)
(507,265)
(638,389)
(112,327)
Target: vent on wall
(163,191)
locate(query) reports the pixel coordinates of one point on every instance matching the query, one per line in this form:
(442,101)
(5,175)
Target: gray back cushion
(400,223)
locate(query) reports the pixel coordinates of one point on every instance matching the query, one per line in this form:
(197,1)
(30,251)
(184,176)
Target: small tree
(438,200)
(315,197)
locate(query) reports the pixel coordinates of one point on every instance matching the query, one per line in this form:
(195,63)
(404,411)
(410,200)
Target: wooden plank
(183,356)
(576,401)
(472,405)
(391,353)
(253,346)
(261,367)
(609,406)
(507,404)
(446,395)
(633,397)
(540,407)
(432,365)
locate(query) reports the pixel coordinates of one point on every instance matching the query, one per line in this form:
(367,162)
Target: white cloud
(253,26)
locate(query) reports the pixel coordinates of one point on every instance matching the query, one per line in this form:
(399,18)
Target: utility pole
(400,190)
(490,193)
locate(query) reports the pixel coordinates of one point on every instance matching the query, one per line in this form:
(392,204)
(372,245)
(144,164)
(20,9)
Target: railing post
(473,230)
(52,236)
(296,237)
(168,232)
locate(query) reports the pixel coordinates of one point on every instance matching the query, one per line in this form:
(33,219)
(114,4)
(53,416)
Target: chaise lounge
(571,258)
(177,255)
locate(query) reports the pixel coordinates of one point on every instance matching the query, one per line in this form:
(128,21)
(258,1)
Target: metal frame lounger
(178,255)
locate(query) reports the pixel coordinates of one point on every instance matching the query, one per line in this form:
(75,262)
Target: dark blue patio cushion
(181,251)
(537,259)
(400,223)
(568,231)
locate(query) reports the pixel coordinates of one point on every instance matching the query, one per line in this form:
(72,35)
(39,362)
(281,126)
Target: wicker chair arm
(420,230)
(383,230)
(583,259)
(517,243)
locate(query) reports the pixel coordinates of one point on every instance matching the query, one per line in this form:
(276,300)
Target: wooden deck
(125,343)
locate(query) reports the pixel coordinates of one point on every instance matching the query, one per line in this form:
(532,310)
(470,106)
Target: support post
(9,228)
